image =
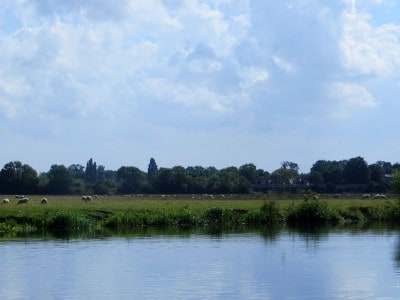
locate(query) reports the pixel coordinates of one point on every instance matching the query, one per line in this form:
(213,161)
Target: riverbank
(70,213)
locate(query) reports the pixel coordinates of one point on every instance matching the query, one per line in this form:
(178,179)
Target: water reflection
(357,262)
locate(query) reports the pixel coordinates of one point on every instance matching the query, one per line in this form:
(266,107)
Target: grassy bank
(70,213)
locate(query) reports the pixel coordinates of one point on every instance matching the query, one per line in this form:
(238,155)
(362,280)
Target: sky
(199,83)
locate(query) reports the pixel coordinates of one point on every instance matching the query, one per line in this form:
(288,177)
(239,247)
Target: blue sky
(211,83)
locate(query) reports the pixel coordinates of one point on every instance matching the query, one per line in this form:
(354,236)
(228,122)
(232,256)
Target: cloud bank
(198,82)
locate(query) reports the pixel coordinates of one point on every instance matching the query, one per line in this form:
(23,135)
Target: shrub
(270,213)
(182,218)
(213,215)
(313,211)
(61,221)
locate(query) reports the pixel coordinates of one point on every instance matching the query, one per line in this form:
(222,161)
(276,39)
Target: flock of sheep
(24,200)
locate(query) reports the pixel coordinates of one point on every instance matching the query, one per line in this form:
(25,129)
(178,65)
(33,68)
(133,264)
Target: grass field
(124,212)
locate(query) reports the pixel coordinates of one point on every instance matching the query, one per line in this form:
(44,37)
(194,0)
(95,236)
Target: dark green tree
(101,173)
(331,171)
(289,166)
(197,178)
(386,166)
(152,169)
(18,178)
(248,171)
(77,171)
(262,177)
(356,171)
(91,171)
(396,181)
(315,178)
(163,181)
(287,174)
(377,173)
(131,179)
(284,176)
(60,180)
(179,180)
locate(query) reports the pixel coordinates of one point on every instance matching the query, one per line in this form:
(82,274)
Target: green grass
(70,213)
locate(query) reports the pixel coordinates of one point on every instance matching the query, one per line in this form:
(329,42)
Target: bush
(61,221)
(66,221)
(313,211)
(182,218)
(270,213)
(213,216)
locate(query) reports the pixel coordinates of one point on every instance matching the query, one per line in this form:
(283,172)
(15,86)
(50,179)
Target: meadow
(70,213)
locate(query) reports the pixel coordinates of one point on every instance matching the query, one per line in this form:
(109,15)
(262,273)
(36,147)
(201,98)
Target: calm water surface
(284,264)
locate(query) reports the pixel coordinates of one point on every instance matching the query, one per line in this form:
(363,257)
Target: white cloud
(367,49)
(283,65)
(348,97)
(105,69)
(252,75)
(197,98)
(354,94)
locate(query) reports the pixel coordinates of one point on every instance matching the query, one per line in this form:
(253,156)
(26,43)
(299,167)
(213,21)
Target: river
(247,264)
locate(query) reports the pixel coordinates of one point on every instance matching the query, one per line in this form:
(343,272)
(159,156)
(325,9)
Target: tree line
(352,175)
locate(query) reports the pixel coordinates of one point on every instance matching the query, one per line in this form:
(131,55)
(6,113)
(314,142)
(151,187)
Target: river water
(257,264)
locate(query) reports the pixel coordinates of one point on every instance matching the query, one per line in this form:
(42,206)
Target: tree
(196,178)
(386,166)
(396,181)
(19,178)
(232,182)
(152,169)
(284,176)
(356,171)
(331,171)
(287,174)
(101,173)
(162,181)
(91,171)
(29,180)
(315,178)
(77,171)
(132,180)
(290,165)
(262,176)
(377,173)
(248,171)
(179,180)
(60,180)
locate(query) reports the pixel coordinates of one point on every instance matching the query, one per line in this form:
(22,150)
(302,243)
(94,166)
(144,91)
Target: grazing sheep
(86,198)
(5,201)
(315,197)
(44,200)
(366,196)
(23,200)
(379,196)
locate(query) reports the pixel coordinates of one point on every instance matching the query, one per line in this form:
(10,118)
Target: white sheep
(23,200)
(44,200)
(5,201)
(380,196)
(86,198)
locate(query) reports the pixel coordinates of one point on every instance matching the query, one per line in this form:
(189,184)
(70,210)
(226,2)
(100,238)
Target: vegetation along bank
(72,214)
